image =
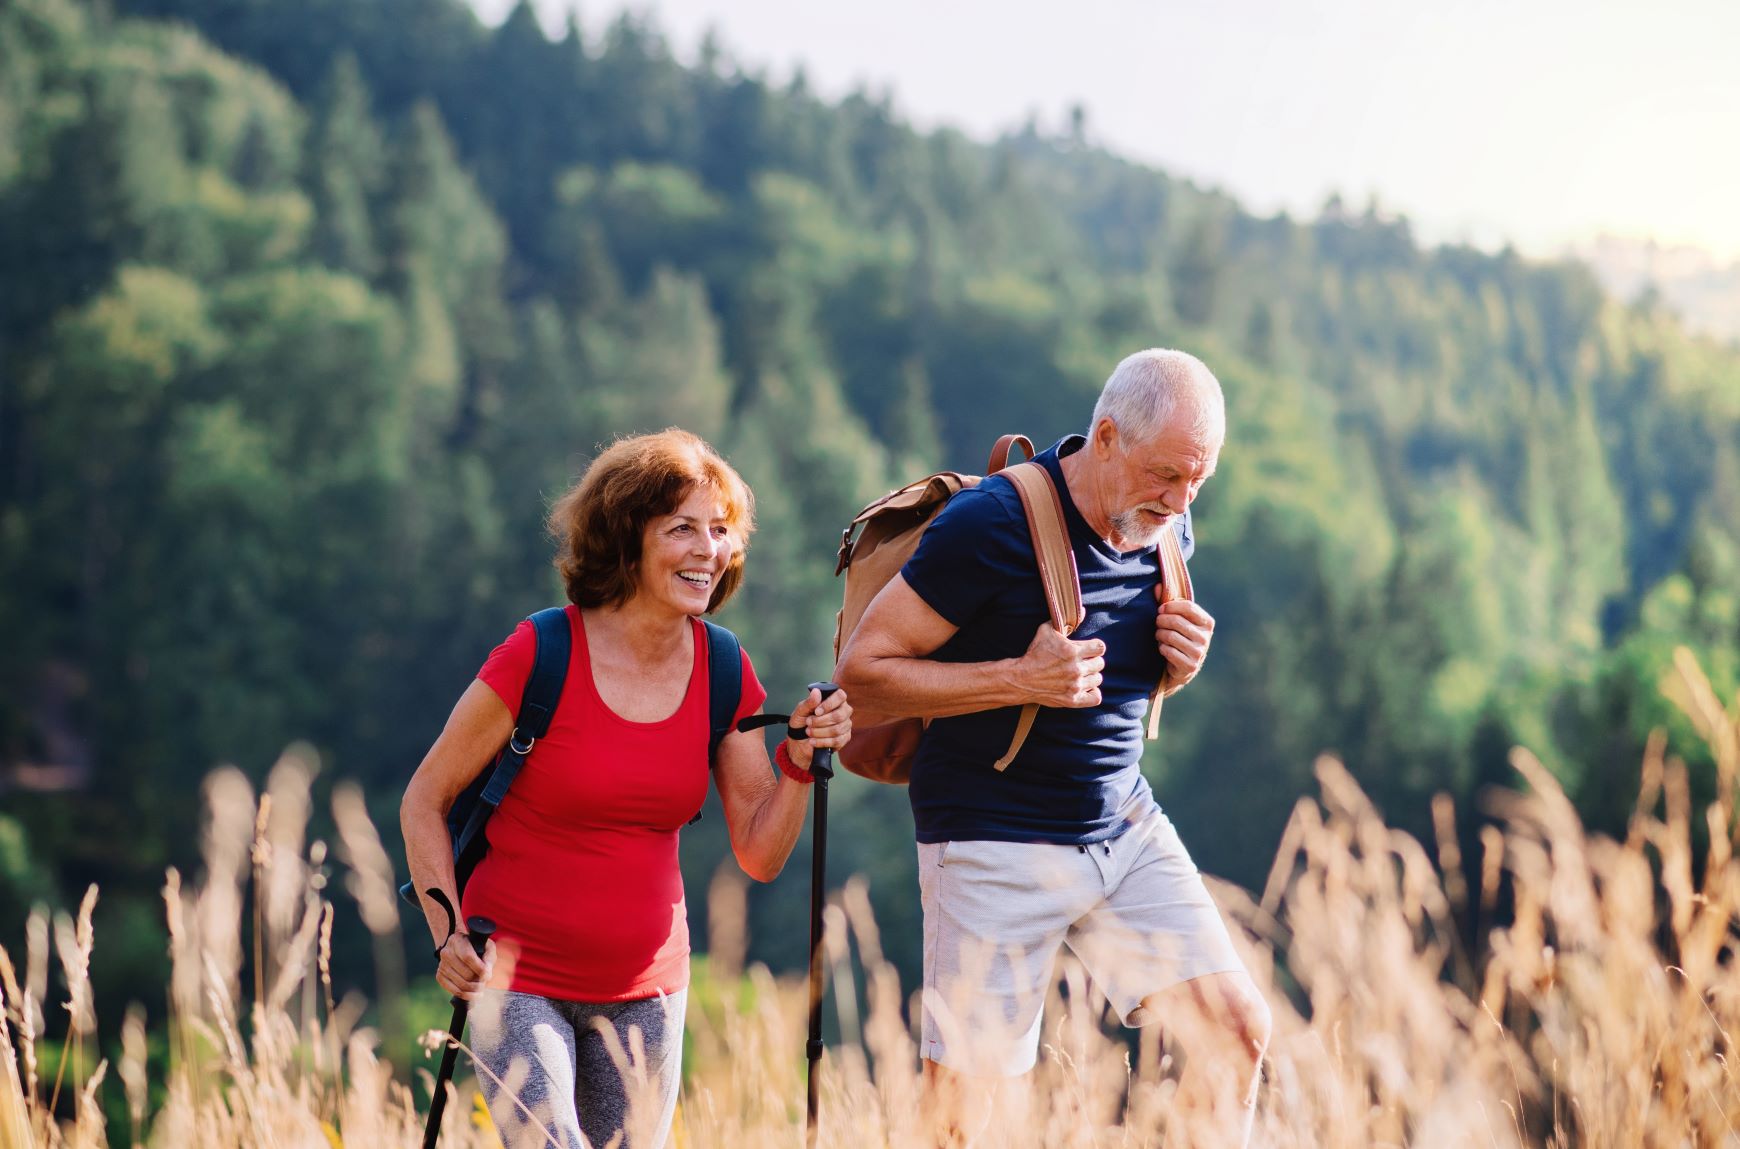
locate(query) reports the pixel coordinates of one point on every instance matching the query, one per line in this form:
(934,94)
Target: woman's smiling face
(682,554)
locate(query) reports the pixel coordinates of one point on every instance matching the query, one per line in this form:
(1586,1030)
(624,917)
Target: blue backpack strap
(724,684)
(724,688)
(549,671)
(538,703)
(555,641)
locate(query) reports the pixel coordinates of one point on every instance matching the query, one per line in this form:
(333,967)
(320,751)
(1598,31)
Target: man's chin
(1139,531)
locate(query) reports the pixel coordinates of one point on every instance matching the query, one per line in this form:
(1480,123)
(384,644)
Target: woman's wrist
(782,758)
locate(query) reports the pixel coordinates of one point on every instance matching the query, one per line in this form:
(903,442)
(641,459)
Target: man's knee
(1248,1017)
(1223,1009)
(958,1107)
(1235,1008)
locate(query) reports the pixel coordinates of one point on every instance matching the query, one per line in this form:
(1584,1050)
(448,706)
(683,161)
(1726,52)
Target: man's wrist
(1008,686)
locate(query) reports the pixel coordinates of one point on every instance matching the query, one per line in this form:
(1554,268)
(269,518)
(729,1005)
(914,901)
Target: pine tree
(345,172)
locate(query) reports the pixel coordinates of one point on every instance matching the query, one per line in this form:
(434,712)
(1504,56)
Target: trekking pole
(822,768)
(477,931)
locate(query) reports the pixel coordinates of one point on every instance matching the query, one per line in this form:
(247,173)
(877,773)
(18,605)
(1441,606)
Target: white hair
(1152,388)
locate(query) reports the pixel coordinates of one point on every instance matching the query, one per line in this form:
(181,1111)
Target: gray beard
(1137,534)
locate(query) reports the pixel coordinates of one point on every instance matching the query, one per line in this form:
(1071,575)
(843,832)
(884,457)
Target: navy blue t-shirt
(1077,778)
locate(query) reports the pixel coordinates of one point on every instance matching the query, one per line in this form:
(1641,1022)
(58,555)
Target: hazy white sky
(1539,121)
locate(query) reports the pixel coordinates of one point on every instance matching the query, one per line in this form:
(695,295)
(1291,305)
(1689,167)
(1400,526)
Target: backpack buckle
(845,551)
(516,738)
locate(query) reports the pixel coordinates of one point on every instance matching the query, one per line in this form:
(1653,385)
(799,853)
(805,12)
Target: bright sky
(1544,122)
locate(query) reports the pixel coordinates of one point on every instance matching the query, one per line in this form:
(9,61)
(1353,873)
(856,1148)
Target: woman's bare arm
(475,733)
(764,810)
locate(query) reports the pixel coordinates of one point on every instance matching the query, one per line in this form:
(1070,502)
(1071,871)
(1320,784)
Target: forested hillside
(307,307)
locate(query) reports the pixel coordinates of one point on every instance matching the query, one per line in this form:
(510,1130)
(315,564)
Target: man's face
(1154,480)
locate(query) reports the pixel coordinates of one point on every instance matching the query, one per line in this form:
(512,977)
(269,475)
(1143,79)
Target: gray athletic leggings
(555,1058)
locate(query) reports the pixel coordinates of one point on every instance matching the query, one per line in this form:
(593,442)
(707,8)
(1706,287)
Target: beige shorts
(1133,909)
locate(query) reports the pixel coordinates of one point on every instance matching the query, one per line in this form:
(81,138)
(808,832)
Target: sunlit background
(1543,123)
(309,307)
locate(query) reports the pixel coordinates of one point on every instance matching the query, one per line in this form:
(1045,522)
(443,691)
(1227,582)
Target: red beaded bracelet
(782,759)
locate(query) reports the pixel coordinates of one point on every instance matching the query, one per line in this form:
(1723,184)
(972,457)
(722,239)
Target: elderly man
(1067,845)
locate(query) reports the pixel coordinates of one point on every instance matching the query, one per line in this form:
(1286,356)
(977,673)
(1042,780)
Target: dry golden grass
(1601,1016)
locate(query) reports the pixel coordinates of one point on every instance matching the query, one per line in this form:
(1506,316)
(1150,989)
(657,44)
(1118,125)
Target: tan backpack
(888,532)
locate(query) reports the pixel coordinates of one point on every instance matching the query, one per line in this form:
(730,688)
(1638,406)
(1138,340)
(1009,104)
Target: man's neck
(1079,477)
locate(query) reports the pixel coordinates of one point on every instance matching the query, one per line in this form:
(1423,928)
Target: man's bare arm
(887,669)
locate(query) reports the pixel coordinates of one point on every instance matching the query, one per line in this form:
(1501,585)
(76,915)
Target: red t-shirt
(581,876)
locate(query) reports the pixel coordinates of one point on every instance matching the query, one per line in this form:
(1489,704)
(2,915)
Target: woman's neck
(649,629)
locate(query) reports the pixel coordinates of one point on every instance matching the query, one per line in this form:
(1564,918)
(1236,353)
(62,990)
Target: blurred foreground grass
(1601,1014)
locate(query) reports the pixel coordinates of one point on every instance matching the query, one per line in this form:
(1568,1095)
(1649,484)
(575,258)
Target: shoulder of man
(992,506)
(971,548)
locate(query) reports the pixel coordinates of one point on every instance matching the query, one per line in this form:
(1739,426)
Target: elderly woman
(581,875)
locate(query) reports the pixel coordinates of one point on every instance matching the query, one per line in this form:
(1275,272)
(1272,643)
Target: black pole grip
(822,758)
(478,931)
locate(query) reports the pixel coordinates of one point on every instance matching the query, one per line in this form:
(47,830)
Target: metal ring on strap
(515,740)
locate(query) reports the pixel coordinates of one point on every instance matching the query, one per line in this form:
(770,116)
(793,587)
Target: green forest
(309,307)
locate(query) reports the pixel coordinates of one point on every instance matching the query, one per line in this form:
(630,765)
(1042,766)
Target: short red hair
(599,522)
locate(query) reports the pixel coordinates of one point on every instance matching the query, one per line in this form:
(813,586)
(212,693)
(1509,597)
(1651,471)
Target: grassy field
(1600,1016)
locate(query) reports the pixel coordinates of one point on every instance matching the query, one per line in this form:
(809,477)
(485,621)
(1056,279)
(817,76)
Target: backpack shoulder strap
(1174,585)
(549,671)
(555,644)
(724,683)
(1051,545)
(1174,572)
(1057,571)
